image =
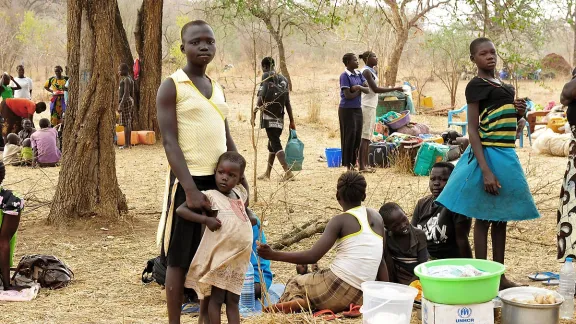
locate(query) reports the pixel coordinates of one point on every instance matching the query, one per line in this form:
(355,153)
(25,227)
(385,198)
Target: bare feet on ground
(265,176)
(505,283)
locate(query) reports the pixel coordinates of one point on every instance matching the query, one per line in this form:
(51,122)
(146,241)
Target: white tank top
(370,99)
(358,255)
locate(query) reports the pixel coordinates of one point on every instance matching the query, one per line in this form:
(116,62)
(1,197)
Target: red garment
(136,68)
(21,107)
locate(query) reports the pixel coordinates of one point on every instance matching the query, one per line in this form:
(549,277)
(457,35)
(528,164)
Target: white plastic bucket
(387,303)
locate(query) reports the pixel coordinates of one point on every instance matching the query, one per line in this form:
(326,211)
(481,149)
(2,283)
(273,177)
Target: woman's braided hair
(351,187)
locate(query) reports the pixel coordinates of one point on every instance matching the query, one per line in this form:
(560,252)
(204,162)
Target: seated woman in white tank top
(357,236)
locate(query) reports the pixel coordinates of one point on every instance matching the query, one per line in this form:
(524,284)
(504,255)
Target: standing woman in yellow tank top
(192,118)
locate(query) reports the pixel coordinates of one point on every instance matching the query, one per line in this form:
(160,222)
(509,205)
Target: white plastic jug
(387,303)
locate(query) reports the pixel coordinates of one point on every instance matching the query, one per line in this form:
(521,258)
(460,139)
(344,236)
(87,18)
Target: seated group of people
(371,245)
(31,146)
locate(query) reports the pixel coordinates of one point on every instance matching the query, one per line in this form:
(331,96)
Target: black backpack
(381,154)
(275,89)
(47,270)
(155,271)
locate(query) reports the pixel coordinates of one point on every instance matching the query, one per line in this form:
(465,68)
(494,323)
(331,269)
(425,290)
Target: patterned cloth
(126,110)
(223,256)
(324,290)
(10,204)
(566,215)
(498,127)
(58,102)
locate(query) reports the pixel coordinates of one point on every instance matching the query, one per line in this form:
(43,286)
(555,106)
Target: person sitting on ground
(219,267)
(26,153)
(27,129)
(273,98)
(46,152)
(11,154)
(10,207)
(6,91)
(357,236)
(446,232)
(14,110)
(405,245)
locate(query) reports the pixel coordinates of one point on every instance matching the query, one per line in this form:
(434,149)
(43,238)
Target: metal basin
(519,313)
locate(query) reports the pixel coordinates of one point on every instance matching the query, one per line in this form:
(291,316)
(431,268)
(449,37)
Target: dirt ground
(109,256)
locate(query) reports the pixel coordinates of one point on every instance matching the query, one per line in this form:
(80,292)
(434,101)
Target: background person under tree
(273,100)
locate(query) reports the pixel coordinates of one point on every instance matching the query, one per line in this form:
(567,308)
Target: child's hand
(265,251)
(520,105)
(213,223)
(491,184)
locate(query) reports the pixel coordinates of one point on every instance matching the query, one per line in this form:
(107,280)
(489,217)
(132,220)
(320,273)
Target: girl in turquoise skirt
(488,183)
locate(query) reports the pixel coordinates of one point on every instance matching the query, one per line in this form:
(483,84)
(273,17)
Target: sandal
(551,282)
(354,311)
(326,315)
(190,308)
(543,276)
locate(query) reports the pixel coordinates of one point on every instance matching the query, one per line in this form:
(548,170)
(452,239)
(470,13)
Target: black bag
(47,270)
(275,89)
(380,154)
(155,271)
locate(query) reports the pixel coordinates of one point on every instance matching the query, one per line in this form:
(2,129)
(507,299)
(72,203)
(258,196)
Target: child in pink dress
(220,264)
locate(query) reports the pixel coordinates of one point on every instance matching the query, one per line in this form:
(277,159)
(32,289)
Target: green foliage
(175,52)
(31,30)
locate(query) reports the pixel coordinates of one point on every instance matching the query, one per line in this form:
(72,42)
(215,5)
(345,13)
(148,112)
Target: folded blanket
(23,295)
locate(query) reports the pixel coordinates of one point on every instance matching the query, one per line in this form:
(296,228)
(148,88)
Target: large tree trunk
(573,25)
(278,37)
(394,62)
(283,65)
(149,46)
(87,185)
(122,46)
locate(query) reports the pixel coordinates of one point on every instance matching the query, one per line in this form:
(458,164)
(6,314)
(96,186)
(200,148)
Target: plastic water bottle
(247,296)
(567,282)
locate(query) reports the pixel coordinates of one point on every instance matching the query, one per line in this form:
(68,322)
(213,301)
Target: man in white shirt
(25,83)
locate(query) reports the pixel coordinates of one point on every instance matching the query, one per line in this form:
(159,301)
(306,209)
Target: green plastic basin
(461,291)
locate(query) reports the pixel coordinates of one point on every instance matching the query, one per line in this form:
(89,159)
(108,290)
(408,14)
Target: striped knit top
(498,117)
(201,124)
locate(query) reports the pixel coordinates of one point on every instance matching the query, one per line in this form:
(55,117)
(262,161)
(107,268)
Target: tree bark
(121,44)
(278,37)
(573,25)
(87,185)
(394,61)
(148,34)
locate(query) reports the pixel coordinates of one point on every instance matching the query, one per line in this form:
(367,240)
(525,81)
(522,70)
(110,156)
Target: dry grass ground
(108,257)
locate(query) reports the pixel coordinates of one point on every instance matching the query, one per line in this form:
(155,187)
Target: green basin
(461,291)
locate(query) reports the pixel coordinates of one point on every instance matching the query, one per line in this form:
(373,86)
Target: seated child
(27,129)
(446,232)
(357,237)
(405,245)
(218,269)
(46,152)
(11,154)
(26,154)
